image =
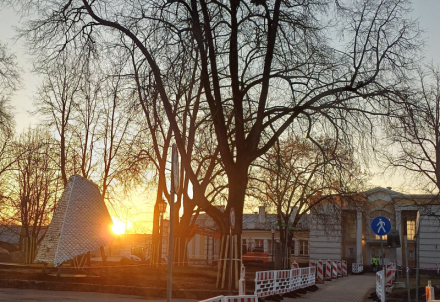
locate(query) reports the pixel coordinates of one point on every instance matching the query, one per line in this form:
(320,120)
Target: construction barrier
(357,268)
(320,271)
(430,296)
(344,268)
(380,285)
(390,270)
(282,281)
(294,265)
(249,298)
(334,270)
(339,268)
(279,282)
(242,282)
(328,270)
(265,283)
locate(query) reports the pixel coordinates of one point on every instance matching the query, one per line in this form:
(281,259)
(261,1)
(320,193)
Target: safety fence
(269,283)
(430,295)
(248,298)
(380,285)
(357,268)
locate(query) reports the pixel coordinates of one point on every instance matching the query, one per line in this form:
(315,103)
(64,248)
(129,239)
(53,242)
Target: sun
(118,228)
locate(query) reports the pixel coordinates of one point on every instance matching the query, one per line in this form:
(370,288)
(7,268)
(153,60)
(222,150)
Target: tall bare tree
(412,135)
(264,66)
(296,176)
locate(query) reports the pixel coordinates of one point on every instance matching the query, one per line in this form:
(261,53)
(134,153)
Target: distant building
(338,229)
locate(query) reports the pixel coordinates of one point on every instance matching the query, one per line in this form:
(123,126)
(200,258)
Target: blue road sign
(380,225)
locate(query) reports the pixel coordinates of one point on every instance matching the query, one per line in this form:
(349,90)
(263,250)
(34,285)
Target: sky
(426,11)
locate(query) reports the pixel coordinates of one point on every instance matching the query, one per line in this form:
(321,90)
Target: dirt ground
(188,282)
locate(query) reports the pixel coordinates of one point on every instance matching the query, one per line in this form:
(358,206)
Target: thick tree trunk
(230,246)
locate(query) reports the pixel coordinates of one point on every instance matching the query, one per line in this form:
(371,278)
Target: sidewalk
(353,288)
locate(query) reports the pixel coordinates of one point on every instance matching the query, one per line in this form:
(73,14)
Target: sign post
(380,226)
(174,189)
(232,226)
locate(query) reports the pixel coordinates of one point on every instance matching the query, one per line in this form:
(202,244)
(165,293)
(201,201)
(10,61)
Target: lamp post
(273,246)
(162,207)
(126,220)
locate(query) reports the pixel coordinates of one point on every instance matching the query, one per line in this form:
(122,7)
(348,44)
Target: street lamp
(162,207)
(126,220)
(273,246)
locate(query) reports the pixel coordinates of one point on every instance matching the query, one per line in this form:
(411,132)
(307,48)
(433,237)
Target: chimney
(262,214)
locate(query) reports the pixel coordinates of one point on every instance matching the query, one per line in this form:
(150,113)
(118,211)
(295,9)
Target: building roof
(253,221)
(80,224)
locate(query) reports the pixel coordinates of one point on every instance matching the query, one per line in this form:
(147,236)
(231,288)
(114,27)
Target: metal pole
(170,247)
(230,260)
(406,263)
(417,267)
(273,246)
(159,260)
(381,251)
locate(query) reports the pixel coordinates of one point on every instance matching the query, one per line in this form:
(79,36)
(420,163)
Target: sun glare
(118,228)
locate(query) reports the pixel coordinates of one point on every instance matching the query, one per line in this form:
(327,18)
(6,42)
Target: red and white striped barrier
(249,298)
(344,268)
(334,270)
(339,268)
(282,281)
(294,265)
(390,270)
(320,271)
(264,284)
(242,282)
(295,279)
(279,282)
(328,270)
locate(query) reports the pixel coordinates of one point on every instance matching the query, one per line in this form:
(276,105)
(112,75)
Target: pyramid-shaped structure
(81,223)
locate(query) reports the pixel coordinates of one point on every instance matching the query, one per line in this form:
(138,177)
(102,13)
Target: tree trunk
(237,190)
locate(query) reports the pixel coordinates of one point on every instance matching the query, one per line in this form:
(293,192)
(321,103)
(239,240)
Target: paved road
(349,289)
(14,294)
(353,288)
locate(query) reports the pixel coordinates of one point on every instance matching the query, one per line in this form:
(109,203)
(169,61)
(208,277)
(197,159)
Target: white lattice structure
(81,223)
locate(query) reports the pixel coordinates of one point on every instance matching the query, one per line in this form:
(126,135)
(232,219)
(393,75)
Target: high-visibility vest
(375,262)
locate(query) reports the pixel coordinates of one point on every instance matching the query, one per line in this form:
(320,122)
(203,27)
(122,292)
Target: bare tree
(263,67)
(36,185)
(296,176)
(9,82)
(412,135)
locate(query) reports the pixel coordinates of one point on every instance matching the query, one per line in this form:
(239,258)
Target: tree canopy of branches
(296,176)
(263,67)
(413,132)
(9,81)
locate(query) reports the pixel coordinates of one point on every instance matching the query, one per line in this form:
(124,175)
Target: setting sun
(118,228)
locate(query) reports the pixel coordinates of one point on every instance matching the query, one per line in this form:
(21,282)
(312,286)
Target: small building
(338,229)
(341,230)
(258,234)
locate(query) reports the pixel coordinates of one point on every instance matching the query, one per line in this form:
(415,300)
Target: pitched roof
(80,224)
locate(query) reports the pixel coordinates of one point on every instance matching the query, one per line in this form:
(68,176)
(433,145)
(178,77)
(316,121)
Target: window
(258,245)
(303,247)
(411,229)
(292,247)
(411,254)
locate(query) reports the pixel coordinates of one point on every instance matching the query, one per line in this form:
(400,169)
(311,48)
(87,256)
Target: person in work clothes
(375,264)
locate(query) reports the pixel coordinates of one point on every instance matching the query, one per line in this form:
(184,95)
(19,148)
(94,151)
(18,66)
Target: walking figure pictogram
(381,223)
